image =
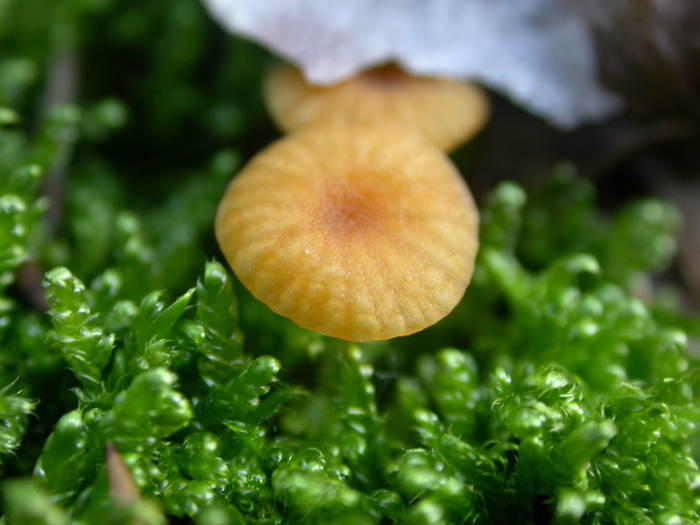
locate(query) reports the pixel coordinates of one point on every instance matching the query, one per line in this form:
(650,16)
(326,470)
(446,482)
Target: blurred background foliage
(564,388)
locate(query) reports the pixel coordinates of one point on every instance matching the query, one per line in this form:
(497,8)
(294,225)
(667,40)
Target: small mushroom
(447,112)
(361,232)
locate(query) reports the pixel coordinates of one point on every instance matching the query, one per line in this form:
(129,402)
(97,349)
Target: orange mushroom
(447,112)
(361,232)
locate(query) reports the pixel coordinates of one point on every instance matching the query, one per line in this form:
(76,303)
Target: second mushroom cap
(445,111)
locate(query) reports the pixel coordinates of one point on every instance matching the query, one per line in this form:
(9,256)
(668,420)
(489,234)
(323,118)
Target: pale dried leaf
(537,52)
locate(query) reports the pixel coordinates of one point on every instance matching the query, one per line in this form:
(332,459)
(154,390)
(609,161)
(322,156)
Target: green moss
(556,392)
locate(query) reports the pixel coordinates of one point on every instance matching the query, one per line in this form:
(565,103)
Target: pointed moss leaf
(107,291)
(427,511)
(549,402)
(26,356)
(220,514)
(12,158)
(502,217)
(222,346)
(103,118)
(448,472)
(310,487)
(418,471)
(146,474)
(157,320)
(64,463)
(6,309)
(658,355)
(137,257)
(57,135)
(18,74)
(507,273)
(561,220)
(410,395)
(216,307)
(355,376)
(92,205)
(28,504)
(23,180)
(188,497)
(453,383)
(8,117)
(154,327)
(156,353)
(577,449)
(274,402)
(564,271)
(387,504)
(349,422)
(242,394)
(200,458)
(17,220)
(141,512)
(14,415)
(459,467)
(645,232)
(84,344)
(179,251)
(571,505)
(149,407)
(249,468)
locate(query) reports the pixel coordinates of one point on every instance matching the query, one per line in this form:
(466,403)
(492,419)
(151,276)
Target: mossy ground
(562,389)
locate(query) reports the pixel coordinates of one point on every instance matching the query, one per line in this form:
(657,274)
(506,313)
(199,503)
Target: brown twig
(122,489)
(61,89)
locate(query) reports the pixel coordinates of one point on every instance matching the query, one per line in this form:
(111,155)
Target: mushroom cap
(355,231)
(447,112)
